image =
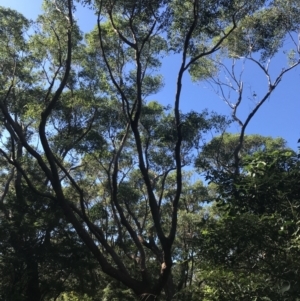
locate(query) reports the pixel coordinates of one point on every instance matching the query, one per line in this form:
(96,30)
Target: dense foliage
(101,195)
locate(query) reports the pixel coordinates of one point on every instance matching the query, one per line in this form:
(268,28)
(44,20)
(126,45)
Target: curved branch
(272,87)
(122,37)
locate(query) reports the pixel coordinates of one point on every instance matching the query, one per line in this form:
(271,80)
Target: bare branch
(271,88)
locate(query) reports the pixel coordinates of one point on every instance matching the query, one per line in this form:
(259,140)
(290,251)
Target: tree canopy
(99,199)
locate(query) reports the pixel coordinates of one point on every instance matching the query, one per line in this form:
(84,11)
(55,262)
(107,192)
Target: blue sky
(279,116)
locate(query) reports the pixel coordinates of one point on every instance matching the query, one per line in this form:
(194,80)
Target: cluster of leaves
(96,203)
(248,244)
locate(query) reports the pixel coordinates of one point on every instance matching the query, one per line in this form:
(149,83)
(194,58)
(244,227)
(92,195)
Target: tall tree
(112,161)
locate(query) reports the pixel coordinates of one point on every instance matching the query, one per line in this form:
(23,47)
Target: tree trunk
(169,288)
(33,292)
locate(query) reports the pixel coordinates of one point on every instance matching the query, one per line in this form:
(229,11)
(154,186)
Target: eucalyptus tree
(111,160)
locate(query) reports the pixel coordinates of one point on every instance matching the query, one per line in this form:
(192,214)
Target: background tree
(249,242)
(218,154)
